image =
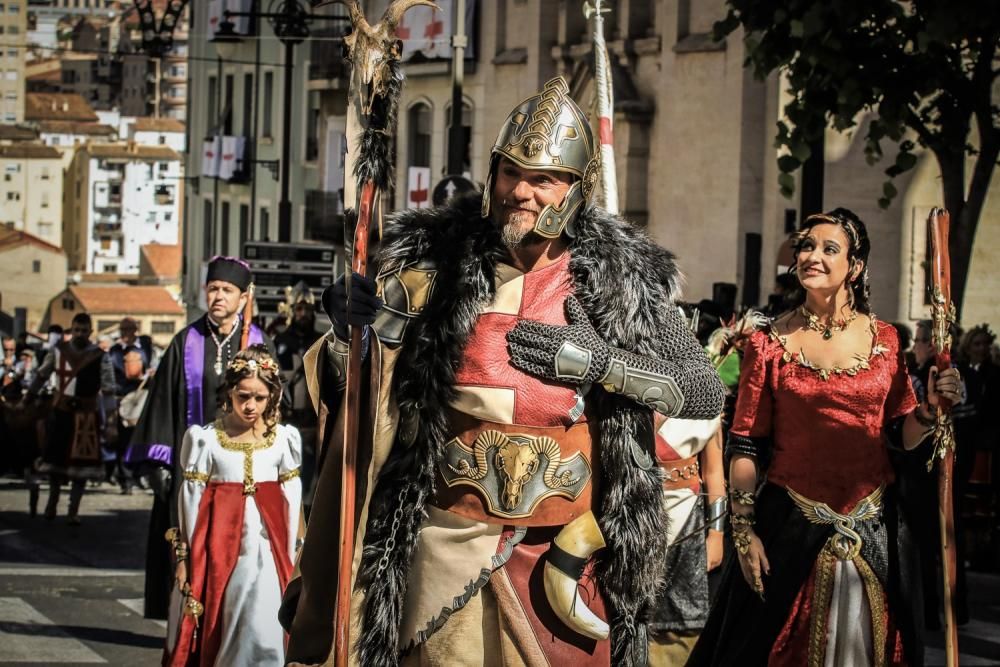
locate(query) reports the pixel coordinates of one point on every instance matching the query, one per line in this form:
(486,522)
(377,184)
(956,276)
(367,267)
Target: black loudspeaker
(751,270)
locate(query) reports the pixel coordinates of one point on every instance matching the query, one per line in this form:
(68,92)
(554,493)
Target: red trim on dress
(215,548)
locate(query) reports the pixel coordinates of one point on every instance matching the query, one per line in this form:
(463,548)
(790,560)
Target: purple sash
(194,370)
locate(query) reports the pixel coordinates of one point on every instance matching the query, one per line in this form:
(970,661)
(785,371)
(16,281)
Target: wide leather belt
(516,475)
(680,473)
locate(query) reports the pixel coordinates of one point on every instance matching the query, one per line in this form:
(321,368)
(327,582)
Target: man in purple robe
(183,393)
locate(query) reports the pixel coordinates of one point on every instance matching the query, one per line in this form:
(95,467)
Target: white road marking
(34,570)
(136,605)
(26,635)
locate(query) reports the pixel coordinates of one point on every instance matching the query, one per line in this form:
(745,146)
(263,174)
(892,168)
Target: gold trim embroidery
(876,604)
(862,363)
(821,598)
(845,544)
(290,475)
(248,449)
(195,476)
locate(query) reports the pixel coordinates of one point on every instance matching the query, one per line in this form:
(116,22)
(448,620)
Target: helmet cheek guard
(549,132)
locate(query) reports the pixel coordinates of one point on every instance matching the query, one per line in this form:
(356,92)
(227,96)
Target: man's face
(224,299)
(127,330)
(303,315)
(520,194)
(80,333)
(9,347)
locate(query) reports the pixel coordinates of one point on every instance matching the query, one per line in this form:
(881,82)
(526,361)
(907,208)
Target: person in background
(291,345)
(130,356)
(977,439)
(72,450)
(918,487)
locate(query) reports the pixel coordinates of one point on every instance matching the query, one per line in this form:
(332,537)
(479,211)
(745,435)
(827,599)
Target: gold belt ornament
(845,542)
(513,472)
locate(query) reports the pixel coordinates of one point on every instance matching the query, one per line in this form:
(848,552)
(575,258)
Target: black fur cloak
(627,285)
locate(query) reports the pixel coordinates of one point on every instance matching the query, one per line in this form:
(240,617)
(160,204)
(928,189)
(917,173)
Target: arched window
(419,129)
(466,143)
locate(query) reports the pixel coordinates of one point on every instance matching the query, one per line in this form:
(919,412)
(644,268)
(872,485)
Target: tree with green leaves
(924,69)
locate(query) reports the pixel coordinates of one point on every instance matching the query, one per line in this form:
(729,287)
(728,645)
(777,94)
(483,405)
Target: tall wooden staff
(247,318)
(943,315)
(593,11)
(376,82)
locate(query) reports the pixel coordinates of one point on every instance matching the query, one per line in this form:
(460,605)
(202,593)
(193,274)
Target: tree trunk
(965,209)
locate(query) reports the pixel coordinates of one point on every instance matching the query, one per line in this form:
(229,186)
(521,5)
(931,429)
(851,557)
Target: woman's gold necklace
(828,329)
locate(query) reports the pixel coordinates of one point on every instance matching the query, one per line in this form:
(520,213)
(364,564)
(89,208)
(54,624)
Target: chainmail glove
(574,354)
(364,304)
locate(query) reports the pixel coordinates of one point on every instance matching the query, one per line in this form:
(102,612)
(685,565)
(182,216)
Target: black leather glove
(364,304)
(574,354)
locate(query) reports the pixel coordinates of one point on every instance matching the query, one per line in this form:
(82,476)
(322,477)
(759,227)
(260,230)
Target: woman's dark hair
(858,249)
(255,361)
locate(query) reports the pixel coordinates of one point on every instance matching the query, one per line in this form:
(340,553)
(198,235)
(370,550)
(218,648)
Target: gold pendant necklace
(828,329)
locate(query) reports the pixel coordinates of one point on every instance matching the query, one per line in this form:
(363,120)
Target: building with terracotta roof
(157,132)
(116,198)
(153,307)
(31,190)
(57,106)
(160,264)
(14,133)
(31,271)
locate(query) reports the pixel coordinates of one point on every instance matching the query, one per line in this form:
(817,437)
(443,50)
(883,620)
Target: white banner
(232,157)
(426,31)
(418,187)
(211,153)
(215,10)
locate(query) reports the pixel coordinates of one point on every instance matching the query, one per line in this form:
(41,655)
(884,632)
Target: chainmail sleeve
(680,382)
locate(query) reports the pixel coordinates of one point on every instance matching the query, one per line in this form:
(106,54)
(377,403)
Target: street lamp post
(290,23)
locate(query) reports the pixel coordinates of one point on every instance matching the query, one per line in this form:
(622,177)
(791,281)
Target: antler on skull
(372,47)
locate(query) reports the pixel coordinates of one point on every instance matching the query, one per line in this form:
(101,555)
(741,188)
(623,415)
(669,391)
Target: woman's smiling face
(822,262)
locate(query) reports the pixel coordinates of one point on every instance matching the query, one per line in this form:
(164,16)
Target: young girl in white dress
(238,510)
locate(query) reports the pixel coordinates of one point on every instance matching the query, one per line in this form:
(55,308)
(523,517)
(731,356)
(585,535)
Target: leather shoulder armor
(404,294)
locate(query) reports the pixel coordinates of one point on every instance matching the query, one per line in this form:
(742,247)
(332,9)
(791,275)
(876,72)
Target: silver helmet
(549,132)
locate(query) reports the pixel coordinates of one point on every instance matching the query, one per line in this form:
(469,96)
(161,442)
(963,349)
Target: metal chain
(390,543)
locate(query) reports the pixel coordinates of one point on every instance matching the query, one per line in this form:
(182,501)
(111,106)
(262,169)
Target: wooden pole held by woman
(943,315)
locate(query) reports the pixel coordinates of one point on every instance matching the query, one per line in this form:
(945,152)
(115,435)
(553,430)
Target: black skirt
(742,629)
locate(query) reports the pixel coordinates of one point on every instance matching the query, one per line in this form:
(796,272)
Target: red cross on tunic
(402,31)
(486,362)
(65,373)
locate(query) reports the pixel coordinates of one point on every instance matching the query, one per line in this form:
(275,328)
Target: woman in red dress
(823,570)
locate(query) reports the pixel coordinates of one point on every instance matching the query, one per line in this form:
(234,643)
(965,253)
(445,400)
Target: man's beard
(514,235)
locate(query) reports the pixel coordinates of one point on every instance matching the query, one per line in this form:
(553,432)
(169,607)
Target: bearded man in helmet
(522,344)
